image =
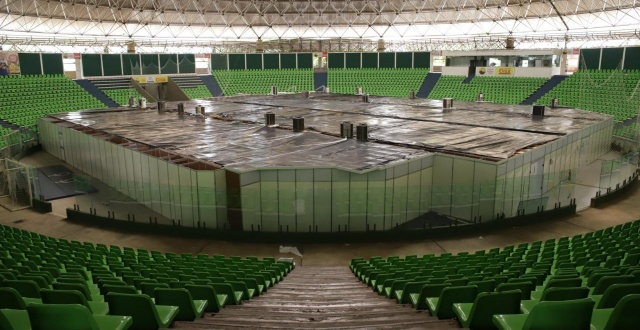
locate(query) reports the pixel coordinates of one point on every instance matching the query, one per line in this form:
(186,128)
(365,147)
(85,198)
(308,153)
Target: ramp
(430,81)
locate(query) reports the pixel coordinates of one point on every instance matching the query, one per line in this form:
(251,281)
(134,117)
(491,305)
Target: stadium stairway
(468,79)
(544,89)
(212,84)
(430,81)
(187,81)
(96,92)
(319,80)
(319,298)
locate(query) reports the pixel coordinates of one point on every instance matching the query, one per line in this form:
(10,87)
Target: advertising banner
(9,63)
(501,71)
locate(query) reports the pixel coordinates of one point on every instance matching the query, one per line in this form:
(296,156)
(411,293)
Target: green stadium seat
(73,297)
(76,317)
(206,292)
(550,315)
(479,314)
(12,319)
(556,294)
(145,314)
(623,316)
(189,309)
(442,307)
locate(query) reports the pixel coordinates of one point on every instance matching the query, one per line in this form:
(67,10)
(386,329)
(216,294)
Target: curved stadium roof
(195,23)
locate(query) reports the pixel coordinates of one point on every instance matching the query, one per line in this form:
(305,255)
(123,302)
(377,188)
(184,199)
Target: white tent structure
(309,25)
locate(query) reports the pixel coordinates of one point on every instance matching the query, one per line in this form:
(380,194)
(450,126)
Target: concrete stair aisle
(319,298)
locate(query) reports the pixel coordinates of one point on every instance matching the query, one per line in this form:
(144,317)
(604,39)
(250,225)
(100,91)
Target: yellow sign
(140,79)
(504,71)
(161,79)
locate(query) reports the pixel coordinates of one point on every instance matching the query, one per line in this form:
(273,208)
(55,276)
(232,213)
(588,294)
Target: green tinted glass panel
(336,60)
(631,56)
(272,61)
(387,60)
(236,62)
(90,65)
(130,64)
(369,60)
(352,60)
(589,58)
(305,61)
(611,58)
(254,61)
(168,63)
(288,61)
(187,63)
(52,64)
(111,65)
(150,64)
(421,59)
(219,62)
(404,60)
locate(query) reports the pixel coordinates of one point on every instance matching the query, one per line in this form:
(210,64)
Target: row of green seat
(27,98)
(101,280)
(122,95)
(600,270)
(198,92)
(506,90)
(612,92)
(382,82)
(235,82)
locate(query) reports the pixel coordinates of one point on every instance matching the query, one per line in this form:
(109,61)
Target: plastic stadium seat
(442,307)
(26,288)
(145,314)
(105,289)
(10,299)
(479,314)
(605,282)
(419,300)
(80,288)
(73,297)
(205,292)
(614,294)
(550,315)
(76,317)
(524,287)
(11,319)
(189,309)
(557,283)
(624,316)
(555,294)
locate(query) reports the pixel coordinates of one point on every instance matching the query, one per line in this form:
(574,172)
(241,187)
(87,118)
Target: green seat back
(607,281)
(205,292)
(73,286)
(105,289)
(484,286)
(138,306)
(524,287)
(10,299)
(433,290)
(560,315)
(454,294)
(616,292)
(49,316)
(149,288)
(177,297)
(625,314)
(26,288)
(488,304)
(63,297)
(560,294)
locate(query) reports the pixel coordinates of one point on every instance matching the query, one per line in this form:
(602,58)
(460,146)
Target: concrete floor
(622,210)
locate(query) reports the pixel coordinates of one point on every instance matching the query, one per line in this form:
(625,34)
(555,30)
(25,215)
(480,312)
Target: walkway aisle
(320,298)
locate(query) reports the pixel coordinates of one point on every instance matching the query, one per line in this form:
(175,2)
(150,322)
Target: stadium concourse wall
(307,199)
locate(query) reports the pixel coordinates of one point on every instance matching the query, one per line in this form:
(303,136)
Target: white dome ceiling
(203,23)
